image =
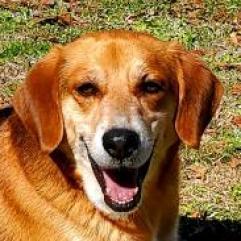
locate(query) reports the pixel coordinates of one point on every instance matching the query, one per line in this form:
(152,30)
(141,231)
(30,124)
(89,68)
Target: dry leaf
(199,52)
(199,171)
(237,121)
(63,20)
(193,15)
(210,131)
(236,89)
(198,1)
(235,39)
(47,2)
(235,162)
(196,214)
(227,66)
(237,18)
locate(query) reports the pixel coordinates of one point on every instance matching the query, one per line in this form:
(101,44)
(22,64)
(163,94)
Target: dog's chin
(121,187)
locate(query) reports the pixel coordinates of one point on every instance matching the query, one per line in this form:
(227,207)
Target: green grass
(236,193)
(24,48)
(151,16)
(24,37)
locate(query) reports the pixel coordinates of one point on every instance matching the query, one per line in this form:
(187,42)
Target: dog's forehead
(112,41)
(114,52)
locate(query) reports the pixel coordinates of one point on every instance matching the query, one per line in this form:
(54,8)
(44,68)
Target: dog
(90,151)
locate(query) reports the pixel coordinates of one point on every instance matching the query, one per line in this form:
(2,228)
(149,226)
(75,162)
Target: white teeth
(119,201)
(123,200)
(122,197)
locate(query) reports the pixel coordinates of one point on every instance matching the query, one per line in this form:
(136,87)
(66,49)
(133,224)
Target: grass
(28,32)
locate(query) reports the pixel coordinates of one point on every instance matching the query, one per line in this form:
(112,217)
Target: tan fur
(41,185)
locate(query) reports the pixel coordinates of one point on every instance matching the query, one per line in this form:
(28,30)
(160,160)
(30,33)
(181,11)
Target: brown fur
(41,194)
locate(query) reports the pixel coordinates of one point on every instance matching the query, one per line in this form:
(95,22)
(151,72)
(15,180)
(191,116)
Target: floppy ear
(37,102)
(199,96)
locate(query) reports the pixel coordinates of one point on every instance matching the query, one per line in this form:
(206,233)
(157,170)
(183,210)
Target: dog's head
(119,97)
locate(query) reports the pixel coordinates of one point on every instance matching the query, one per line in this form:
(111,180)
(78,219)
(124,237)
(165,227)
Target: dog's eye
(87,89)
(151,87)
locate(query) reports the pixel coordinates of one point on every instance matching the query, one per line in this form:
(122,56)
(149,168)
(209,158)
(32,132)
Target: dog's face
(121,98)
(117,95)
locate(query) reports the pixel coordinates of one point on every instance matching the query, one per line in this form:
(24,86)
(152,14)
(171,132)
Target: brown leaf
(198,1)
(236,66)
(235,39)
(235,162)
(221,15)
(236,89)
(210,131)
(196,214)
(63,20)
(193,15)
(199,52)
(198,171)
(48,20)
(47,2)
(237,18)
(237,121)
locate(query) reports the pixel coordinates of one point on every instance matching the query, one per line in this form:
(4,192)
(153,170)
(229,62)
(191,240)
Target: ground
(211,177)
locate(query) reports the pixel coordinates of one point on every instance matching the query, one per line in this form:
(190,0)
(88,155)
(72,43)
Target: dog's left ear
(199,93)
(37,102)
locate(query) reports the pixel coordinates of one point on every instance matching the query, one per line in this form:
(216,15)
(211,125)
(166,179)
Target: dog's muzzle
(121,185)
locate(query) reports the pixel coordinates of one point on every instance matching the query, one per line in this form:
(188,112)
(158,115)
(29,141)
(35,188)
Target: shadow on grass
(5,112)
(196,229)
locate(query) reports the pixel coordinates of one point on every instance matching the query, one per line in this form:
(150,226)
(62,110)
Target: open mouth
(121,186)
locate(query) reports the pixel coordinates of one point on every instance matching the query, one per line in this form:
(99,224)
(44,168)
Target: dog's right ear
(37,102)
(200,93)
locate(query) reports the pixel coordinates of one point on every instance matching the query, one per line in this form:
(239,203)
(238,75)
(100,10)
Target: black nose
(120,143)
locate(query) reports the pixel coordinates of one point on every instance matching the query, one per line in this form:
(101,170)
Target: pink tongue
(117,193)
